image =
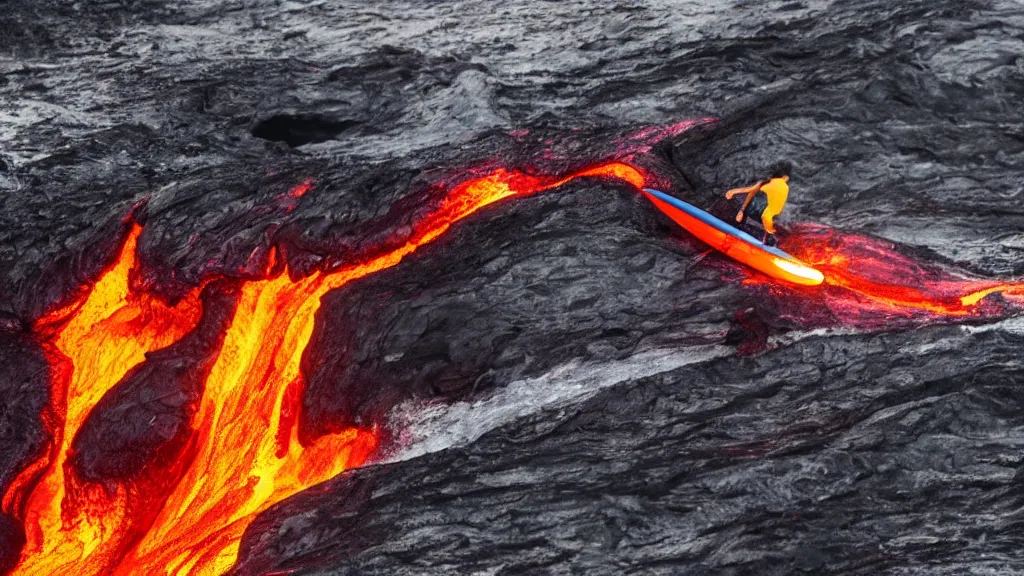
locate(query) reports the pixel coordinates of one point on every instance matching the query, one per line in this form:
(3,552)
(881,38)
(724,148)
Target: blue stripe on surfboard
(716,223)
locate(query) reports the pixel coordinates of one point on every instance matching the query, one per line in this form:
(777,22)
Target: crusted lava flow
(231,448)
(869,284)
(96,341)
(183,510)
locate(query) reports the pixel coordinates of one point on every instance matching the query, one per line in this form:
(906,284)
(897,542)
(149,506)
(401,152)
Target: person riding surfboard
(765,199)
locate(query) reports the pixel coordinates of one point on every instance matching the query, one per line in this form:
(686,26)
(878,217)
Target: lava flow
(185,510)
(241,453)
(868,283)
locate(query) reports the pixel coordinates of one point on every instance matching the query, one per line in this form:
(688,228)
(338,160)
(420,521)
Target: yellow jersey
(777,191)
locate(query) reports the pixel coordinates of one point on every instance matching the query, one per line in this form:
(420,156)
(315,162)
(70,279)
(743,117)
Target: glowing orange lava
(865,276)
(103,336)
(245,455)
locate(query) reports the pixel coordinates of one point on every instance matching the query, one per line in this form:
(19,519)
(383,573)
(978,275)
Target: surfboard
(735,243)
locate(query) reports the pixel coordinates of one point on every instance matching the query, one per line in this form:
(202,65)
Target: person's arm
(747,190)
(750,191)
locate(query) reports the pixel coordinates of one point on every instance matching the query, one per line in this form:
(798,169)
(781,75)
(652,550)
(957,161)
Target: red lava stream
(245,454)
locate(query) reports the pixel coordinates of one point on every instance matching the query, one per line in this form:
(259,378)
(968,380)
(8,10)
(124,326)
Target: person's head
(780,169)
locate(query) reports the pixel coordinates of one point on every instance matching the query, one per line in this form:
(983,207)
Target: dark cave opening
(301,129)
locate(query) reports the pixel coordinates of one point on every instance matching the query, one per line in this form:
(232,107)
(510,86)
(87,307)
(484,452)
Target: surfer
(765,199)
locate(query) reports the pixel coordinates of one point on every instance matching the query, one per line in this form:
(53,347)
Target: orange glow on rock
(246,461)
(849,279)
(300,190)
(246,454)
(865,276)
(102,337)
(757,257)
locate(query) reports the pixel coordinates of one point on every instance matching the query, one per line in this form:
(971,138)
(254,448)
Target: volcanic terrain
(371,288)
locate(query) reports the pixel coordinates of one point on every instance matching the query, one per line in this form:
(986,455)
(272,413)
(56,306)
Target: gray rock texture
(567,383)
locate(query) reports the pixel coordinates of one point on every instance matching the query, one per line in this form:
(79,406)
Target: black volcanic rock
(24,377)
(460,316)
(841,455)
(145,420)
(24,386)
(543,365)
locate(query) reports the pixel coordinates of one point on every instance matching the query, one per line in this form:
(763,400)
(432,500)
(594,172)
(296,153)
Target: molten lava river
(242,453)
(869,284)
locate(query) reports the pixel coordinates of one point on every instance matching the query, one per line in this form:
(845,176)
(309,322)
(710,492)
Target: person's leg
(766,223)
(752,216)
(756,207)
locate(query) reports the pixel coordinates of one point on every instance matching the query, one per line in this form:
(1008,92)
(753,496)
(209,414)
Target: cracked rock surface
(558,374)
